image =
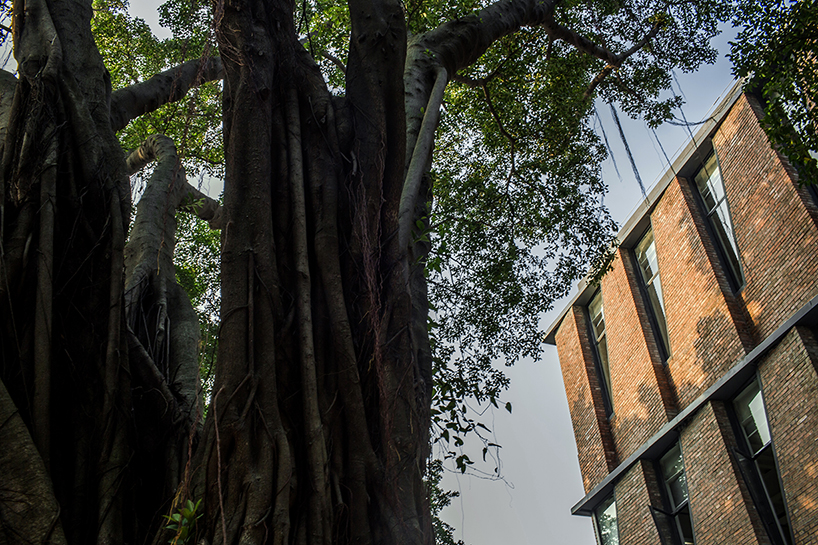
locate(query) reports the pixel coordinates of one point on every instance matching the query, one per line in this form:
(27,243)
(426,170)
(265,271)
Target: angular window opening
(607,531)
(711,190)
(758,464)
(672,469)
(645,253)
(603,371)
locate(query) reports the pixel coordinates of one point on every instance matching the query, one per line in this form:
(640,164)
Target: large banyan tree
(318,427)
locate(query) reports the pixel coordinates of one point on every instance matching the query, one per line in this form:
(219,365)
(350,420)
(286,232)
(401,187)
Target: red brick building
(692,369)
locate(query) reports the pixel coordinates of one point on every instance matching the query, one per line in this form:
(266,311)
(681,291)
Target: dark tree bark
(66,204)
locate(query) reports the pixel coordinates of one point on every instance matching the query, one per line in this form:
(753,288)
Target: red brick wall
(710,329)
(642,399)
(720,504)
(633,498)
(790,387)
(704,340)
(777,238)
(595,449)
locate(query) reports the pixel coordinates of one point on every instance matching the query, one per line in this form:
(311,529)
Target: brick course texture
(642,401)
(775,232)
(790,388)
(704,338)
(722,509)
(633,498)
(591,428)
(712,326)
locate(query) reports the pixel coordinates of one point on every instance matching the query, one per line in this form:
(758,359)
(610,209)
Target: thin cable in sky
(684,118)
(598,121)
(628,150)
(661,147)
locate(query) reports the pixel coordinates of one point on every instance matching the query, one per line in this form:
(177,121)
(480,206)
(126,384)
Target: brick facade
(633,496)
(790,383)
(706,444)
(591,427)
(774,230)
(638,381)
(722,337)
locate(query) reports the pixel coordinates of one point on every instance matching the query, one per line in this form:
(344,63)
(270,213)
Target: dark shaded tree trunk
(66,204)
(318,431)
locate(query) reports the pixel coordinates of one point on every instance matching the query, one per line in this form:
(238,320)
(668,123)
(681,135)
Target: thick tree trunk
(65,211)
(89,461)
(318,428)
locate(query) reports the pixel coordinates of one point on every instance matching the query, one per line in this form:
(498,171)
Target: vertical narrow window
(711,189)
(758,463)
(607,530)
(649,266)
(597,315)
(675,483)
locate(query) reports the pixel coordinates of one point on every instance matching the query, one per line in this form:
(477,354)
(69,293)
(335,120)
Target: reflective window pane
(673,473)
(749,407)
(597,315)
(649,267)
(606,526)
(711,188)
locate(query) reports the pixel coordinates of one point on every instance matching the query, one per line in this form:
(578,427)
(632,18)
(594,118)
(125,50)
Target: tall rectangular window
(711,190)
(649,267)
(672,470)
(597,315)
(758,465)
(607,530)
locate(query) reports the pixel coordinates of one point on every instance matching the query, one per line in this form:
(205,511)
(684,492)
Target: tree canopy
(776,51)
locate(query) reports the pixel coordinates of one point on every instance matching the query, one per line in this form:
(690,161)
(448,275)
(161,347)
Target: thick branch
(597,80)
(188,198)
(420,159)
(459,43)
(168,86)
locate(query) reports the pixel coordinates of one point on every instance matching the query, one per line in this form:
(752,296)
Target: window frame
(747,463)
(598,525)
(670,510)
(735,275)
(660,333)
(603,376)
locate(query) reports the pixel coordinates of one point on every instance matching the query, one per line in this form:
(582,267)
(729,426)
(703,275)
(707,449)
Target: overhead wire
(628,150)
(598,121)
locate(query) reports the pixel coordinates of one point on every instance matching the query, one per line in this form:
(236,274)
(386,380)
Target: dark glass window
(711,189)
(649,266)
(597,315)
(758,463)
(672,470)
(607,530)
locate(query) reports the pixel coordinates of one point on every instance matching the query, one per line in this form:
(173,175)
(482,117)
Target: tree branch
(459,43)
(597,80)
(335,60)
(512,141)
(560,32)
(420,159)
(168,86)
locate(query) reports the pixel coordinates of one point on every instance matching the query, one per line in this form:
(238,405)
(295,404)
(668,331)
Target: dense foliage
(777,51)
